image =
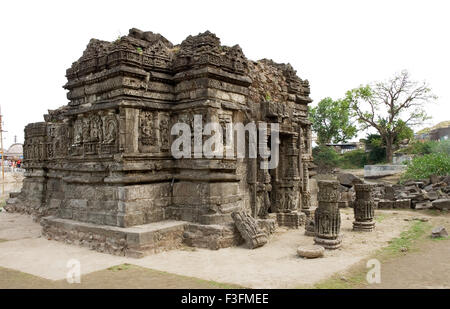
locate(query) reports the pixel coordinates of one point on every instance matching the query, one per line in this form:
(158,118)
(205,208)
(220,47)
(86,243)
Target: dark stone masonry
(100,173)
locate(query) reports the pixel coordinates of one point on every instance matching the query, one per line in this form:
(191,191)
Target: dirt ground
(125,276)
(427,268)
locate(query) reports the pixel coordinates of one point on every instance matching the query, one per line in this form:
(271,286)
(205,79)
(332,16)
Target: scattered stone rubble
(439,231)
(432,193)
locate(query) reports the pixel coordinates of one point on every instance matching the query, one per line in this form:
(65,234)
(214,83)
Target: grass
(356,275)
(120,267)
(2,240)
(380,218)
(440,238)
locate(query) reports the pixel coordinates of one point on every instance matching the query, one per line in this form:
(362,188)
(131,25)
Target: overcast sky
(336,45)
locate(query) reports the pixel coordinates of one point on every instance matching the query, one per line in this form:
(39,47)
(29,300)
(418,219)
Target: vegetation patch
(356,275)
(120,267)
(430,164)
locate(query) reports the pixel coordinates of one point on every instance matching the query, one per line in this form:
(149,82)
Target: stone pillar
(364,208)
(327,219)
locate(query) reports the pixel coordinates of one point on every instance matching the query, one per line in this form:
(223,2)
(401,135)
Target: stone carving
(363,208)
(147,130)
(164,123)
(327,219)
(109,129)
(248,227)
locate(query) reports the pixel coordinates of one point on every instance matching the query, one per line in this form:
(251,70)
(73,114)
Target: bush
(376,149)
(427,165)
(442,146)
(420,148)
(353,159)
(326,158)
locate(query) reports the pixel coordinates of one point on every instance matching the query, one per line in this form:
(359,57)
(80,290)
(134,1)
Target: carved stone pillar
(248,228)
(327,219)
(364,208)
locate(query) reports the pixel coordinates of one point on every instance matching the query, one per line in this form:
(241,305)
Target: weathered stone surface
(364,208)
(105,158)
(291,219)
(248,227)
(441,204)
(327,219)
(385,204)
(424,205)
(402,204)
(310,252)
(348,180)
(439,231)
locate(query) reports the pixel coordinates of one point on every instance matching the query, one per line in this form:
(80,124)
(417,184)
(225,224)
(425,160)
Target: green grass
(407,239)
(120,267)
(440,238)
(356,276)
(381,218)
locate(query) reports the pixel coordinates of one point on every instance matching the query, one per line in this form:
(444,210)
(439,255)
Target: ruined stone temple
(99,170)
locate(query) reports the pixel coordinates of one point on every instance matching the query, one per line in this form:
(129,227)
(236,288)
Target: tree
(332,122)
(391,106)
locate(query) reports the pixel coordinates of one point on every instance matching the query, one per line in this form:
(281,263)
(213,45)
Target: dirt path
(426,268)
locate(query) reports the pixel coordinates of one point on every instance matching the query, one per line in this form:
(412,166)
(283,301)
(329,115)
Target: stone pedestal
(327,219)
(364,208)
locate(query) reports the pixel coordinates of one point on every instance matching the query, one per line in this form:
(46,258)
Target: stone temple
(100,173)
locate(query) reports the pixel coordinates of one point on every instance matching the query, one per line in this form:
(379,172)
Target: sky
(336,45)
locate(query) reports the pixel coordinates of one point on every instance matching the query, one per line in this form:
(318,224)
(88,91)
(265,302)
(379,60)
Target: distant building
(346,147)
(439,132)
(15,152)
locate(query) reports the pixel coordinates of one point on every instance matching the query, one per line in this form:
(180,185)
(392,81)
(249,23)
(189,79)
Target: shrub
(326,158)
(376,149)
(427,165)
(353,159)
(420,148)
(442,146)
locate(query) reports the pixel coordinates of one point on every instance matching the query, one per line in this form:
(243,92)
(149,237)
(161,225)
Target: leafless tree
(390,106)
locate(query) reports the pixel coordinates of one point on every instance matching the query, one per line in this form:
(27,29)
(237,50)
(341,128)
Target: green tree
(391,106)
(332,122)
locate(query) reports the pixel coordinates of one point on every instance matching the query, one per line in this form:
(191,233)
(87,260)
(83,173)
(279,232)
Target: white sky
(336,45)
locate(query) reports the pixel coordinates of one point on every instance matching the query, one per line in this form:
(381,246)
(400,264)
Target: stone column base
(363,226)
(329,244)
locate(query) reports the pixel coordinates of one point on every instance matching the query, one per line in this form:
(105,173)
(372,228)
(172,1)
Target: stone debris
(441,204)
(439,231)
(248,228)
(348,180)
(310,252)
(432,193)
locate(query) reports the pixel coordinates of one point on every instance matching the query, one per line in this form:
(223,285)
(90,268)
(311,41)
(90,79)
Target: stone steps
(136,241)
